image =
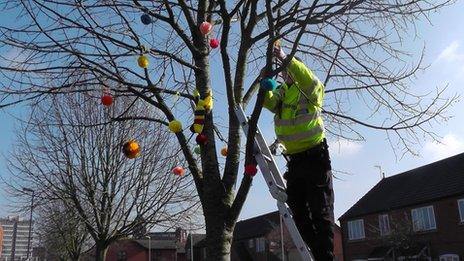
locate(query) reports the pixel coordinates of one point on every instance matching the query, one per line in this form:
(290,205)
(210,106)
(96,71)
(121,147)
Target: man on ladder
(297,105)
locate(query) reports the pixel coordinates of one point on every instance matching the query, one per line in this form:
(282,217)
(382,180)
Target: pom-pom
(131,149)
(178,171)
(214,43)
(197,150)
(251,170)
(208,102)
(268,84)
(107,99)
(201,139)
(224,151)
(146,19)
(199,119)
(175,126)
(143,61)
(205,28)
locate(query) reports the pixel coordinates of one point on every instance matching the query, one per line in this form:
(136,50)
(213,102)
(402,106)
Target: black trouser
(311,198)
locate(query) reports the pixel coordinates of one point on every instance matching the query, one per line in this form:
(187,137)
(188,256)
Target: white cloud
(344,147)
(450,145)
(452,53)
(451,61)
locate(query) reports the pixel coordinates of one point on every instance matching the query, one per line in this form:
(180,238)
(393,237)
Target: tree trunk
(100,252)
(218,238)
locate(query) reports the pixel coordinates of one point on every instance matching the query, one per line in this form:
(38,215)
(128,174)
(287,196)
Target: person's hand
(279,53)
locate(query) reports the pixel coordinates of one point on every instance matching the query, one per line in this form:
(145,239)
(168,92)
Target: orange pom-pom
(224,151)
(131,149)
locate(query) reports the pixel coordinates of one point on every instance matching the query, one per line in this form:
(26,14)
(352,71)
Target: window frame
(260,245)
(387,224)
(453,257)
(461,211)
(415,213)
(351,233)
(251,242)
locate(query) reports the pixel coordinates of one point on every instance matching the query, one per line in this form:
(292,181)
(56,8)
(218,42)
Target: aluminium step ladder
(275,183)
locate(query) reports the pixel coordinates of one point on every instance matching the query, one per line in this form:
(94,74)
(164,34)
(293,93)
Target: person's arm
(271,100)
(299,72)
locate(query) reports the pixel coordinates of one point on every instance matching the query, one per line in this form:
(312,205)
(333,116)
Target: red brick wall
(134,251)
(164,254)
(448,238)
(338,249)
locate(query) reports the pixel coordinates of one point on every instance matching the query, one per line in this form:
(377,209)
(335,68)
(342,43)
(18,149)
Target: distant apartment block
(15,238)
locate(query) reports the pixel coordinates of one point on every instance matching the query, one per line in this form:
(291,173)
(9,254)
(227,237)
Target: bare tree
(68,153)
(355,46)
(61,232)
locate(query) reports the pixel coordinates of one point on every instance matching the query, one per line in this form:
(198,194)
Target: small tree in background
(74,160)
(61,232)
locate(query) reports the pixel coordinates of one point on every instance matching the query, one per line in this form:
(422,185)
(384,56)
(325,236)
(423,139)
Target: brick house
(259,239)
(162,246)
(415,215)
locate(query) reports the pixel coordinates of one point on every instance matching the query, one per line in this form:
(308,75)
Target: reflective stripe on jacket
(298,121)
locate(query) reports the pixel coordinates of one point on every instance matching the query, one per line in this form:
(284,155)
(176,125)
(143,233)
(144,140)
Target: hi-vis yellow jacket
(298,122)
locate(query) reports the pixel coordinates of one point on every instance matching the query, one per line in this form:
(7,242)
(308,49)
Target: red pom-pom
(107,99)
(214,43)
(178,171)
(205,28)
(201,139)
(251,170)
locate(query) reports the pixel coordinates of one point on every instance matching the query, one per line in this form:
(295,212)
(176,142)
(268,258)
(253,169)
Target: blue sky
(444,52)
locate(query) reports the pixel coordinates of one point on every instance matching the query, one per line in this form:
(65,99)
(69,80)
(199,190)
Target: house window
(449,257)
(251,243)
(461,209)
(121,256)
(356,229)
(423,219)
(384,225)
(260,245)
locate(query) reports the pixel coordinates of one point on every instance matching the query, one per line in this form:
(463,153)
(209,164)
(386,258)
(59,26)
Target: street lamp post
(30,221)
(149,247)
(191,238)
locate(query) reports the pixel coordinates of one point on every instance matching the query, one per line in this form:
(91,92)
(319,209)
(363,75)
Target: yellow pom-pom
(197,128)
(143,61)
(224,151)
(195,93)
(175,126)
(208,102)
